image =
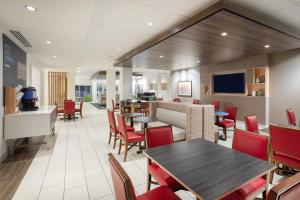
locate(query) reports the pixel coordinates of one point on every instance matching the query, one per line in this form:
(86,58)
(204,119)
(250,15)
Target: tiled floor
(77,167)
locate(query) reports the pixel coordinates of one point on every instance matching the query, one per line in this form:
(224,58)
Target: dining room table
(208,170)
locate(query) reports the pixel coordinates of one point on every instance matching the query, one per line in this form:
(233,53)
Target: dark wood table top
(145,120)
(206,169)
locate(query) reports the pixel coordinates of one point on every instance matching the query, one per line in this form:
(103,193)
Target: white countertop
(41,110)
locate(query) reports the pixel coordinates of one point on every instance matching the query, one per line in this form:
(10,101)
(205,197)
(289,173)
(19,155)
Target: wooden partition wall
(57,87)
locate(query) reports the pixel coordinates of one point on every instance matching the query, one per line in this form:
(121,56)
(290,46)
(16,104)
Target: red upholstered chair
(251,123)
(291,117)
(253,145)
(229,120)
(128,137)
(115,107)
(79,110)
(158,136)
(216,104)
(287,189)
(196,101)
(124,189)
(69,110)
(113,128)
(177,100)
(285,146)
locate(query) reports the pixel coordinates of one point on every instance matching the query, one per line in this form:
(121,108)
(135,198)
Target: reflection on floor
(77,166)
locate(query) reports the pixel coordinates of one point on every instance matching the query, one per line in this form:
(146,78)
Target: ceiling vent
(21,38)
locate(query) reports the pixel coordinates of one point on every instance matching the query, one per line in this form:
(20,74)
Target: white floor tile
(51,193)
(77,193)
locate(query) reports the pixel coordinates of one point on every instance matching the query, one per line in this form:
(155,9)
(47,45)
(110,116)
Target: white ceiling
(91,34)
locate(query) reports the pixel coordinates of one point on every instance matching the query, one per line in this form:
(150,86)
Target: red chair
(128,137)
(124,189)
(69,110)
(115,107)
(287,189)
(113,128)
(79,110)
(229,120)
(285,147)
(196,101)
(253,145)
(158,136)
(251,123)
(291,117)
(216,104)
(177,100)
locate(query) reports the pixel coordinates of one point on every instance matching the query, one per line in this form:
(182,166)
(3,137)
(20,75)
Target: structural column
(125,83)
(110,87)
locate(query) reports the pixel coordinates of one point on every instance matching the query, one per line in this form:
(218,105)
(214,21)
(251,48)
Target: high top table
(208,170)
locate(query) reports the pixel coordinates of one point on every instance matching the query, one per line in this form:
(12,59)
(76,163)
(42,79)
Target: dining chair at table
(196,101)
(287,189)
(69,110)
(79,110)
(178,100)
(216,105)
(257,146)
(285,147)
(124,189)
(251,123)
(114,129)
(130,138)
(291,117)
(155,137)
(228,121)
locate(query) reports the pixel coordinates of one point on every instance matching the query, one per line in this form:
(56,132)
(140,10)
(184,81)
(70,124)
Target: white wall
(192,74)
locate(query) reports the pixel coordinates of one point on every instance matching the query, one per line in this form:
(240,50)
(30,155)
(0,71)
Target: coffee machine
(29,99)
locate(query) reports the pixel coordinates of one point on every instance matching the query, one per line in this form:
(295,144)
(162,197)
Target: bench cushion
(175,118)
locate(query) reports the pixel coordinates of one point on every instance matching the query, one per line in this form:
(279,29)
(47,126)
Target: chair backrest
(216,104)
(231,110)
(285,140)
(291,117)
(251,123)
(251,144)
(123,186)
(122,126)
(111,119)
(196,101)
(69,107)
(158,136)
(176,100)
(287,189)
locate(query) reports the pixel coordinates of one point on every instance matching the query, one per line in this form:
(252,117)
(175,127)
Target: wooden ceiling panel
(203,41)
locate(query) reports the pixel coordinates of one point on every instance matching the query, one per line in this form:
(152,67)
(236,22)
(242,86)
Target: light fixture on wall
(30,8)
(54,56)
(198,61)
(224,34)
(150,23)
(161,56)
(48,42)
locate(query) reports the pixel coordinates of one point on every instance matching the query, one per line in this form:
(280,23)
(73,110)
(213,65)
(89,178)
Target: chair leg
(264,194)
(115,141)
(149,181)
(271,176)
(120,145)
(126,150)
(110,133)
(81,114)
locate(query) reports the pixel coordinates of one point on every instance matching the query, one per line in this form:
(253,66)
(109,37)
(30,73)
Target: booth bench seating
(188,121)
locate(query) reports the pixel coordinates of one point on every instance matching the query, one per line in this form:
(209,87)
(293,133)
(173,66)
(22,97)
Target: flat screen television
(233,83)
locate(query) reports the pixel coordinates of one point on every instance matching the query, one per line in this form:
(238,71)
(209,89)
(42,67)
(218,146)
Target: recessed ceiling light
(197,61)
(161,56)
(30,8)
(267,46)
(54,56)
(118,49)
(150,23)
(78,71)
(224,34)
(48,42)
